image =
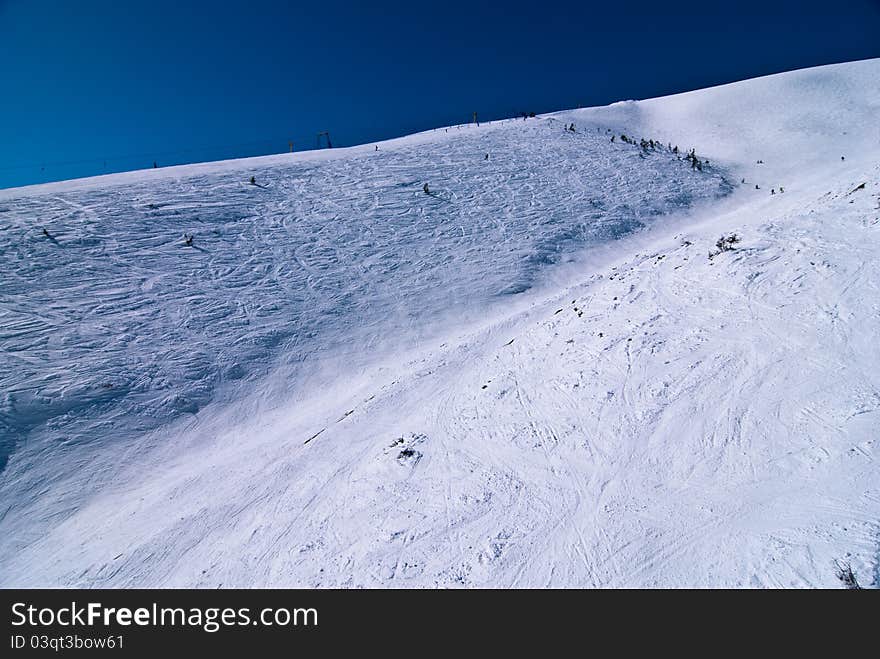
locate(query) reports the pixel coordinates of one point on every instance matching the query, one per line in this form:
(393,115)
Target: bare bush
(725,244)
(846,576)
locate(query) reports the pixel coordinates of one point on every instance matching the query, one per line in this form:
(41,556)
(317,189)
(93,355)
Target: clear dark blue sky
(93,86)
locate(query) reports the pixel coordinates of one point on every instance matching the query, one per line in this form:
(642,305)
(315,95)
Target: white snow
(535,376)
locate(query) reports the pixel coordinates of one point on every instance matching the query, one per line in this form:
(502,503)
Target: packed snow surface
(535,374)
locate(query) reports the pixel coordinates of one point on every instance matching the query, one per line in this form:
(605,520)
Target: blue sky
(93,86)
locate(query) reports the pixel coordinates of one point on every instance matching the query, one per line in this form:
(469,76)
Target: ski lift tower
(327,135)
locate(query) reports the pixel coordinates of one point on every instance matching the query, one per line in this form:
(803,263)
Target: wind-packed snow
(535,375)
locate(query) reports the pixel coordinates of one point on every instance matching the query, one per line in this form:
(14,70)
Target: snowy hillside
(534,375)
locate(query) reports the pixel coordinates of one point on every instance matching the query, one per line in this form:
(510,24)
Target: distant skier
(47,234)
(187,240)
(155,166)
(425,189)
(487,157)
(253,180)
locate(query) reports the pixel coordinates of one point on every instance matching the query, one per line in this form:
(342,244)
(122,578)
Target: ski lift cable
(155,154)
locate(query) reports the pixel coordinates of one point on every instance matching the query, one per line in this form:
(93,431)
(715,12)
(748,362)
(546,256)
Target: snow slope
(509,382)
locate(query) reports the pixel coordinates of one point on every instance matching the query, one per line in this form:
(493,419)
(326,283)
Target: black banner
(133,622)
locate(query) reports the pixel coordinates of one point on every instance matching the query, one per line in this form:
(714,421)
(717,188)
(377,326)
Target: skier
(155,165)
(187,240)
(487,156)
(253,180)
(425,189)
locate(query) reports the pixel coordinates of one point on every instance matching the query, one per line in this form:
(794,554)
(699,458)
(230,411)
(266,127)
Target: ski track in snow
(334,386)
(316,257)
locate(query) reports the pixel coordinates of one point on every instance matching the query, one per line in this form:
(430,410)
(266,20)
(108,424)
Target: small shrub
(846,576)
(726,243)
